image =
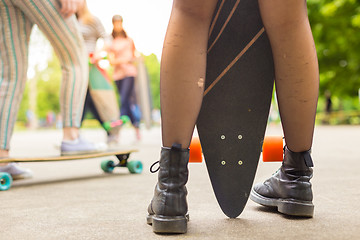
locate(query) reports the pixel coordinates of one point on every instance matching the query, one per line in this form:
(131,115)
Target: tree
(48,89)
(153,67)
(336,30)
(24,105)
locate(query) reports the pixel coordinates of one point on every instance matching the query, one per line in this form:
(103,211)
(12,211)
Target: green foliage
(48,82)
(24,105)
(153,68)
(336,30)
(48,89)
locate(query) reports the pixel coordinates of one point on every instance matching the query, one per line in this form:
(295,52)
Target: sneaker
(81,146)
(16,171)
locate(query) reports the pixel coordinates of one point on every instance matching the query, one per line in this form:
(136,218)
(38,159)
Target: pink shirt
(124,51)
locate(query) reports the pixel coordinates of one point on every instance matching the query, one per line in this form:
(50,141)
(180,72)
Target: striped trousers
(17,18)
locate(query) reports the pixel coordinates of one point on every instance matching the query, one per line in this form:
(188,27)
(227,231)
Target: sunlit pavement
(76,200)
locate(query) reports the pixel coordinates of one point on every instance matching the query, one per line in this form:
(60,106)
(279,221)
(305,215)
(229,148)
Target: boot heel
(167,224)
(299,209)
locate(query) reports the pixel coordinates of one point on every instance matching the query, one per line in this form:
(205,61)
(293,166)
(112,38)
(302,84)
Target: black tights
(183,68)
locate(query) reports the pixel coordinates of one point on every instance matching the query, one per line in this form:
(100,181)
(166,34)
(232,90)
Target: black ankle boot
(289,189)
(168,208)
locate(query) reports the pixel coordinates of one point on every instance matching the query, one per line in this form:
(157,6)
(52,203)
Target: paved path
(75,200)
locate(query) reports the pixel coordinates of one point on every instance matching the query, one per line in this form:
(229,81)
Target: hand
(69,7)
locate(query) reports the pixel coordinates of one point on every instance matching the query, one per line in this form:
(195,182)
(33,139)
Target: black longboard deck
(237,97)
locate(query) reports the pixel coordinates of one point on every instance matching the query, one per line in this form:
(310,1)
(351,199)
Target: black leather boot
(289,189)
(168,208)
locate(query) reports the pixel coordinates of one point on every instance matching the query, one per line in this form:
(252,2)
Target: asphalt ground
(76,200)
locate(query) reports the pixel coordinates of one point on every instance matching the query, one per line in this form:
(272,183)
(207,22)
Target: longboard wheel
(107,126)
(125,119)
(5,181)
(107,166)
(195,151)
(117,123)
(273,149)
(135,166)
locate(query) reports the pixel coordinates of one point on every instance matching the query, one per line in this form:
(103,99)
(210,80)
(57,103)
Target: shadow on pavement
(27,183)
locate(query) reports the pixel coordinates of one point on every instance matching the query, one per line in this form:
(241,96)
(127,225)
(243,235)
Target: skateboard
(106,165)
(237,96)
(104,97)
(143,95)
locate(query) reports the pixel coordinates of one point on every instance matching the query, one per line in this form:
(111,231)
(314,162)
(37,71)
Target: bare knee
(283,14)
(202,10)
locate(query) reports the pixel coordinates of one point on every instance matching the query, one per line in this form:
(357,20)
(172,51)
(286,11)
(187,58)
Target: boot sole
(290,207)
(168,224)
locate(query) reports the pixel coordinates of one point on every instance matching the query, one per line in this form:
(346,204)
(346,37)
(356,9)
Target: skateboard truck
(133,166)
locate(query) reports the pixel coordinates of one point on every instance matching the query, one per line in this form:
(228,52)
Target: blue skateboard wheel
(107,166)
(5,181)
(135,166)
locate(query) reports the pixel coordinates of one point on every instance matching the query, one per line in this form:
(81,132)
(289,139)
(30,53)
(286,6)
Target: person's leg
(15,31)
(296,68)
(86,106)
(183,68)
(182,76)
(125,88)
(119,84)
(94,111)
(90,106)
(134,106)
(68,45)
(297,83)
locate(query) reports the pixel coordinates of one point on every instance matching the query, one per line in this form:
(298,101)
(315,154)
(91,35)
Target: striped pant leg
(68,45)
(15,31)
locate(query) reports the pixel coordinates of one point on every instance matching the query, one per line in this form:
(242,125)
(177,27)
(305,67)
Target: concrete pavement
(75,200)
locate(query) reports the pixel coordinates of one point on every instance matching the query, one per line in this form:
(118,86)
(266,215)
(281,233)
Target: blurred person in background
(56,19)
(122,56)
(92,30)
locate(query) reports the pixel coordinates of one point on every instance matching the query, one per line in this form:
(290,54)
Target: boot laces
(152,166)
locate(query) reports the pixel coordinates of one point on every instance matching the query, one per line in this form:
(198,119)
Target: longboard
(236,103)
(142,89)
(107,165)
(105,99)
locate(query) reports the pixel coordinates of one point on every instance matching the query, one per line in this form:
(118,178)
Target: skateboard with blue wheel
(5,181)
(107,166)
